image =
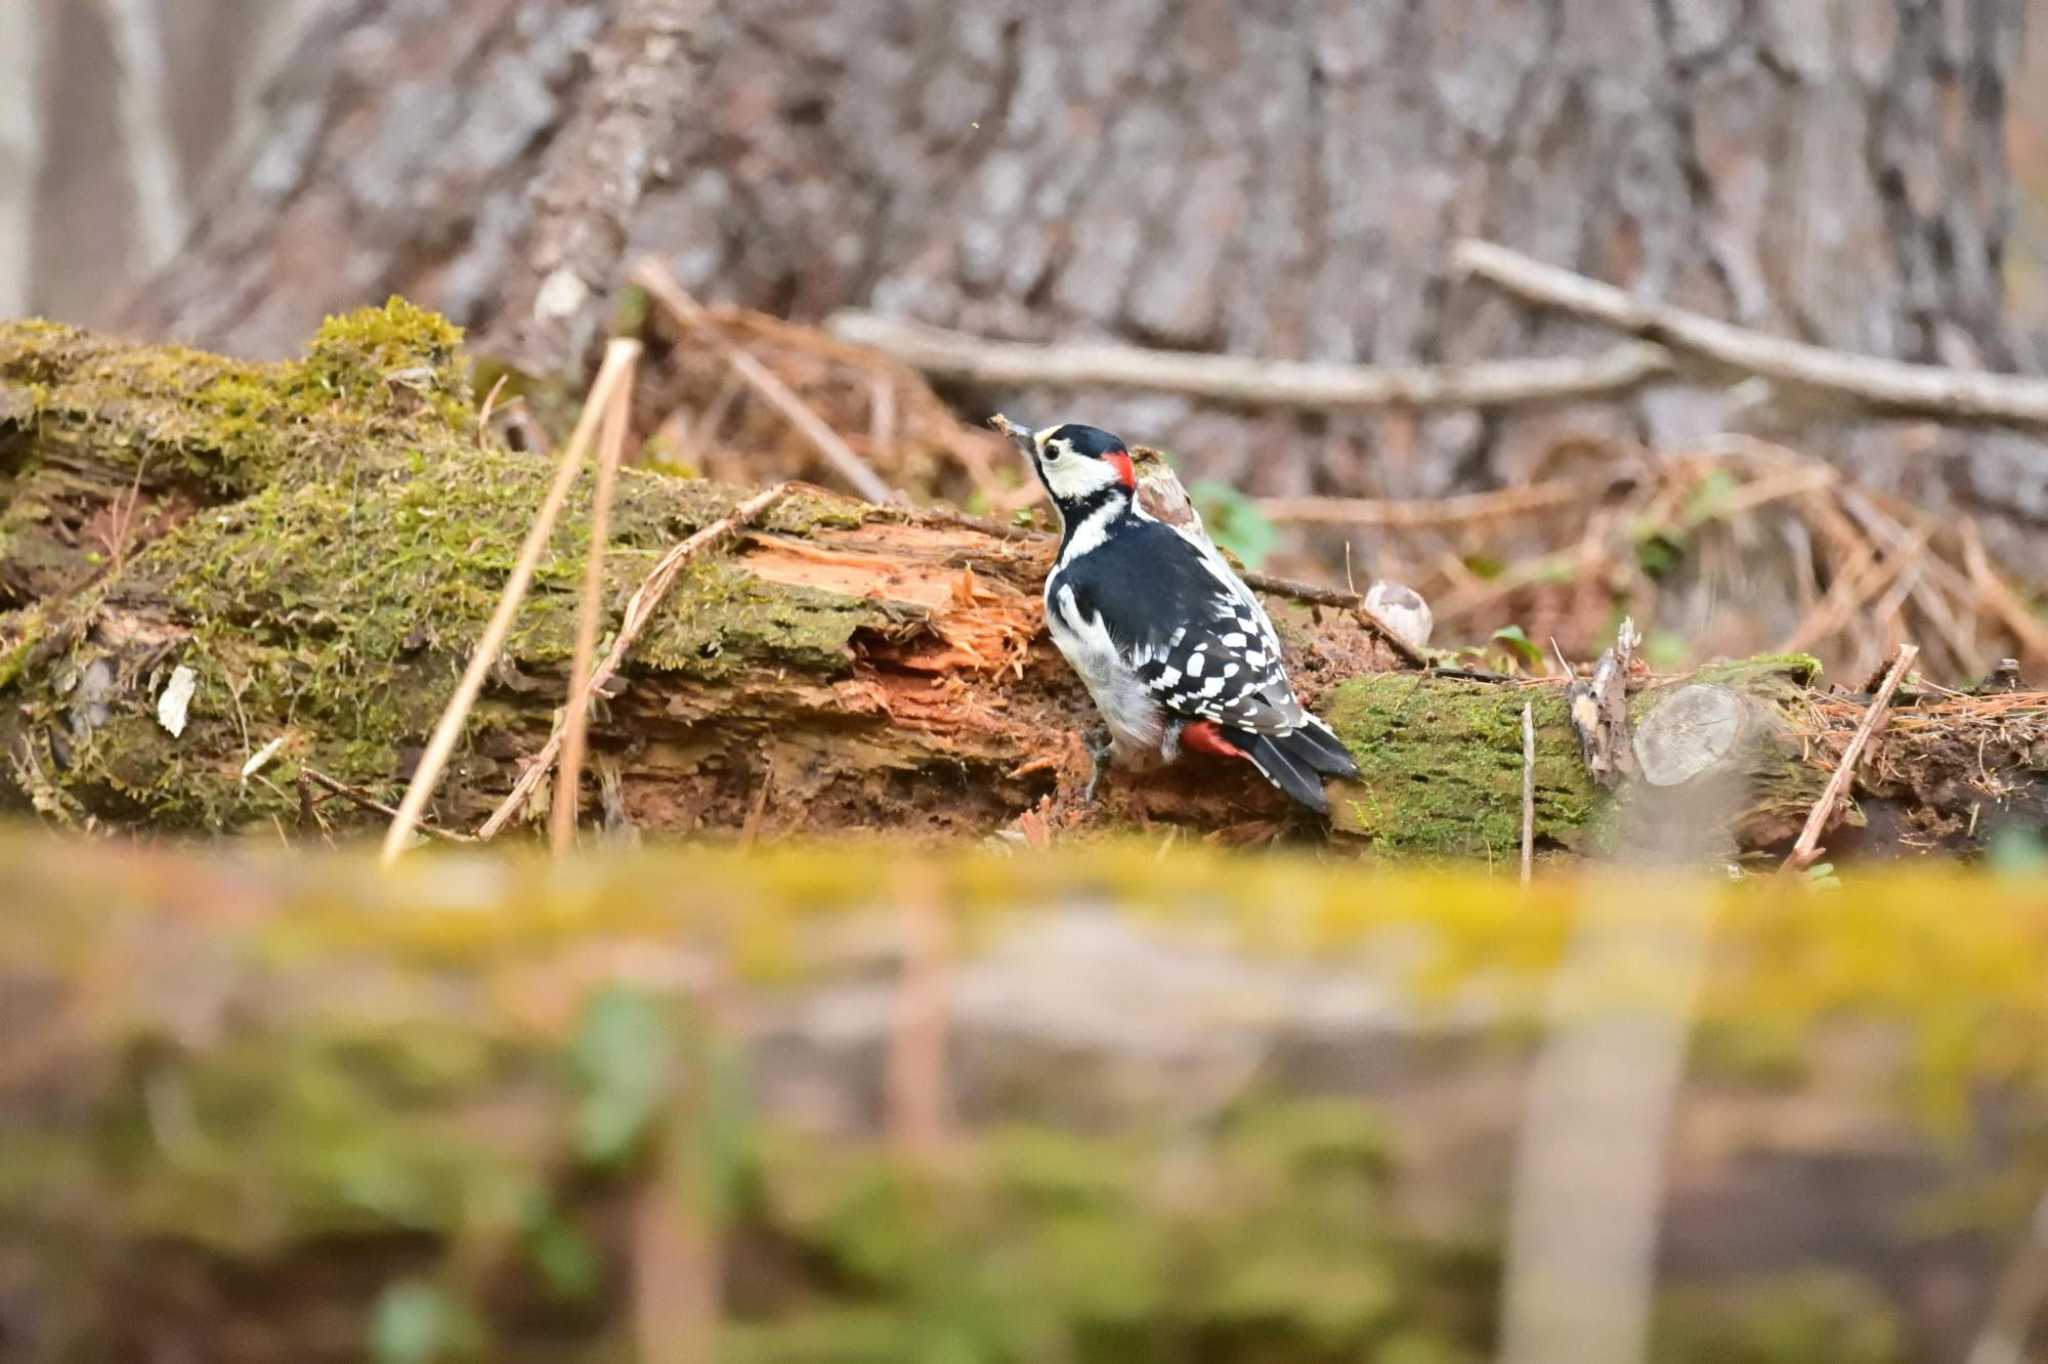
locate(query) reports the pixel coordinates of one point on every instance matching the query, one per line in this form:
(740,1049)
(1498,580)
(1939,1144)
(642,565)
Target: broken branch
(1807,850)
(662,287)
(1886,385)
(1252,382)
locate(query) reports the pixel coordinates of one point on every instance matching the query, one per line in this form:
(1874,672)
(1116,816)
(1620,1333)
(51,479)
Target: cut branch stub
(1694,730)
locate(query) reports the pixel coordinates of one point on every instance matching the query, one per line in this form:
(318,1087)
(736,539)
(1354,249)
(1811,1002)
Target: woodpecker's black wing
(1205,650)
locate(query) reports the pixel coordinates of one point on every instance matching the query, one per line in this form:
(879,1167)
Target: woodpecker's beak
(1021,436)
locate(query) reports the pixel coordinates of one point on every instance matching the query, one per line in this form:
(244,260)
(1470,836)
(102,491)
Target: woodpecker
(1173,647)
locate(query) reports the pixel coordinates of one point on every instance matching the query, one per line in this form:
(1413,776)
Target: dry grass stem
(428,774)
(639,609)
(611,447)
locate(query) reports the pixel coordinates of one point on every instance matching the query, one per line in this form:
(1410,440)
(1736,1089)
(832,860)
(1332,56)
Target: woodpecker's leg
(1099,742)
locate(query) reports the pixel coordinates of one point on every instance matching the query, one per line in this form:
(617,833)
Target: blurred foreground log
(1219,1108)
(216,576)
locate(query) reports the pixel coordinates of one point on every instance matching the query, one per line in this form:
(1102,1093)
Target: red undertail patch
(1204,737)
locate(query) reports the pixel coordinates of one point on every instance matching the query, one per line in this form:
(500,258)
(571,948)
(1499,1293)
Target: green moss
(1040,1244)
(377,353)
(1797,1319)
(355,515)
(1759,670)
(1442,767)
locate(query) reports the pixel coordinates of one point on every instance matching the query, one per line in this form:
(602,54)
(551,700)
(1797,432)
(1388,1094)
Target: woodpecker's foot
(1098,742)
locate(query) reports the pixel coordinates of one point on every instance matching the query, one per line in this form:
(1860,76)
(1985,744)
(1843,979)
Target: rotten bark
(319,543)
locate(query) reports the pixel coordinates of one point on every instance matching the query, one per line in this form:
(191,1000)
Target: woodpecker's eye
(1092,441)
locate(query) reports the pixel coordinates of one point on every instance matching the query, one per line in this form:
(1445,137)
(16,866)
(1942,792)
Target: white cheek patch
(1076,476)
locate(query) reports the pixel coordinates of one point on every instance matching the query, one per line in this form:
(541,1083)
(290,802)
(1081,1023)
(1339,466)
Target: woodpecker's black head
(1079,465)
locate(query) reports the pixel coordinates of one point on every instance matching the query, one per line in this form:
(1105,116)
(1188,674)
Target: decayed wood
(955,355)
(1875,382)
(646,599)
(1597,708)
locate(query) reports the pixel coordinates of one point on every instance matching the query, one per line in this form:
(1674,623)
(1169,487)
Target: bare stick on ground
(1880,384)
(611,447)
(1260,383)
(639,608)
(1807,850)
(428,773)
(357,796)
(661,286)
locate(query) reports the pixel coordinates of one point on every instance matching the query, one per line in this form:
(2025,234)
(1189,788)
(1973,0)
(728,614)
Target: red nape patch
(1204,737)
(1121,462)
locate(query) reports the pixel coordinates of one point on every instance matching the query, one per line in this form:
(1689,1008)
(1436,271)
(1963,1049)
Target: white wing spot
(1196,662)
(1213,687)
(1230,670)
(1233,640)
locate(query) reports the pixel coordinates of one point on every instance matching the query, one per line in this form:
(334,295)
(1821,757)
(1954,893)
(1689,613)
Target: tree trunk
(1265,180)
(315,545)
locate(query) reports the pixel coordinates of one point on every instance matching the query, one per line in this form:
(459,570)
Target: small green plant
(1234,522)
(1516,645)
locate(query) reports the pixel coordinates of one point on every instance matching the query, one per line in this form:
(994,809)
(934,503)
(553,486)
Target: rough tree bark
(1275,180)
(314,546)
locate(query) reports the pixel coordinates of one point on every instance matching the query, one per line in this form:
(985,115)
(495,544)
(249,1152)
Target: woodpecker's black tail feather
(1324,751)
(1292,762)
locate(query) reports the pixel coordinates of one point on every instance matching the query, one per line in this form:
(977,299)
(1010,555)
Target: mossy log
(314,546)
(1198,1107)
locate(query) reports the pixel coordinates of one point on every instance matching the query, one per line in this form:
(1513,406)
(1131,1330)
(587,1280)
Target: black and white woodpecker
(1173,647)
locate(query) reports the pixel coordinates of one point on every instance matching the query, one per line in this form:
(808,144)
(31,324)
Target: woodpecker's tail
(1297,762)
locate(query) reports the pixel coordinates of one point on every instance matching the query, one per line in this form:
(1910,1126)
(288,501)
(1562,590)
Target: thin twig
(1349,601)
(639,609)
(611,446)
(1462,509)
(1528,791)
(1241,379)
(490,407)
(1884,385)
(1807,850)
(661,286)
(428,774)
(358,796)
(1992,590)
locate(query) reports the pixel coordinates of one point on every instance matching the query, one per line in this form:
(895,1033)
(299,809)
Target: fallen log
(252,1106)
(312,549)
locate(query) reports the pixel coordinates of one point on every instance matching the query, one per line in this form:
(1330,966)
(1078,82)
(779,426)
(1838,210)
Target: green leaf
(414,1322)
(568,1263)
(623,1054)
(1234,521)
(1519,644)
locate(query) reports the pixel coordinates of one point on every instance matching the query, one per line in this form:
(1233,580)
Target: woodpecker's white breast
(1136,720)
